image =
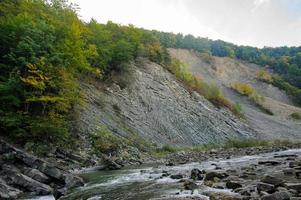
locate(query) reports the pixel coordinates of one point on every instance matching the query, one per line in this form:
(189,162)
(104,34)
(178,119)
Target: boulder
(190,185)
(215,174)
(73,181)
(277,196)
(176,176)
(197,174)
(233,184)
(8,192)
(36,175)
(265,187)
(269,162)
(294,186)
(13,177)
(272,180)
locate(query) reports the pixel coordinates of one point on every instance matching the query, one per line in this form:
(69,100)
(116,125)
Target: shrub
(236,109)
(243,88)
(296,116)
(264,76)
(105,142)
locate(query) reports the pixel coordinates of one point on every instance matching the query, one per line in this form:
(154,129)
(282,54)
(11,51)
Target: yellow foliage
(264,76)
(243,88)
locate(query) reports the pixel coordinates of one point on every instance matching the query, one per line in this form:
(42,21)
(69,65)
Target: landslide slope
(149,102)
(225,71)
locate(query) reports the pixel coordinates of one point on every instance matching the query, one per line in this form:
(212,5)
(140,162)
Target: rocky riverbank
(273,178)
(24,174)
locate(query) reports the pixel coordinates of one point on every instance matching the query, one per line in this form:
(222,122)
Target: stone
(269,162)
(233,184)
(73,181)
(265,187)
(190,185)
(23,181)
(215,174)
(197,174)
(277,196)
(8,192)
(272,180)
(294,186)
(288,171)
(36,175)
(176,176)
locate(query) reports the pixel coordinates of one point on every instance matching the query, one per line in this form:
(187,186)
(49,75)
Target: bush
(243,143)
(105,142)
(167,148)
(243,88)
(264,76)
(296,116)
(236,109)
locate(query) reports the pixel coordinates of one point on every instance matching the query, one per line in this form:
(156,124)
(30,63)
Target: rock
(73,181)
(52,171)
(15,178)
(269,162)
(272,180)
(294,186)
(233,184)
(190,185)
(288,171)
(112,165)
(215,174)
(265,187)
(197,174)
(170,164)
(8,192)
(36,175)
(176,176)
(276,196)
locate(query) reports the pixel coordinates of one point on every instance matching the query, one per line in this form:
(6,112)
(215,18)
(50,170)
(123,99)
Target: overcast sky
(244,22)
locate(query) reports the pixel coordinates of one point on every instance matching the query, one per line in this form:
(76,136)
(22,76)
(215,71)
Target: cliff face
(225,71)
(151,103)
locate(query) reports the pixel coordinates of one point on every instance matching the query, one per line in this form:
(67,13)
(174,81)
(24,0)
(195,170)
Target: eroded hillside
(151,103)
(225,71)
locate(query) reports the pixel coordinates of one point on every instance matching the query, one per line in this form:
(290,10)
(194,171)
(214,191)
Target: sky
(244,22)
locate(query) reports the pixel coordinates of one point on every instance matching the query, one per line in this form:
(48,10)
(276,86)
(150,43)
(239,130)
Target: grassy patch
(296,116)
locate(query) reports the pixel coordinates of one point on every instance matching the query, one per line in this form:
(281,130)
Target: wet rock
(233,184)
(277,196)
(265,187)
(210,175)
(13,177)
(272,180)
(294,186)
(73,181)
(197,174)
(51,171)
(176,176)
(269,162)
(190,185)
(288,171)
(8,192)
(36,175)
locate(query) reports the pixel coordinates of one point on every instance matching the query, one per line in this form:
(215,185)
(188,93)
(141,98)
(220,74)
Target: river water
(146,182)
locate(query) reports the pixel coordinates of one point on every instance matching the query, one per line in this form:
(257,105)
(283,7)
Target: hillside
(224,71)
(150,102)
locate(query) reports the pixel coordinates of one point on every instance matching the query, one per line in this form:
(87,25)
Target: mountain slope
(225,71)
(150,102)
